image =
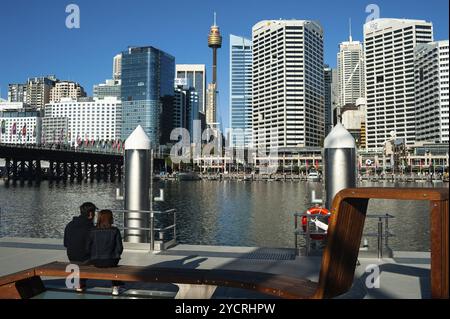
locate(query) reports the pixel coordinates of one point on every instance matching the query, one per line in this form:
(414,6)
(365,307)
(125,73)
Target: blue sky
(34,40)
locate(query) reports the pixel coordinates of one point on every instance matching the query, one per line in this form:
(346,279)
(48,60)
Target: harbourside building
(74,121)
(288,84)
(147,93)
(432,92)
(241,91)
(20,126)
(389,67)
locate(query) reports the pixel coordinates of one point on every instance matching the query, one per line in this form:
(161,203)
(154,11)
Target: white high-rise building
(389,65)
(431,92)
(350,65)
(66,89)
(288,83)
(20,126)
(87,118)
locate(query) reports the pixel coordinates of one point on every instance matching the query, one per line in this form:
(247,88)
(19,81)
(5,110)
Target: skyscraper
(432,92)
(389,66)
(241,90)
(288,83)
(195,76)
(214,42)
(147,92)
(328,78)
(350,63)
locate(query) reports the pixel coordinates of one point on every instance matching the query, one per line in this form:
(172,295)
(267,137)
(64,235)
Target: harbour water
(229,213)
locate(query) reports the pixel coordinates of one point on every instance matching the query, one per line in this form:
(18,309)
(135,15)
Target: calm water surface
(209,212)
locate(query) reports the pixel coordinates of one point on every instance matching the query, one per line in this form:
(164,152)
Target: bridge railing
(65,148)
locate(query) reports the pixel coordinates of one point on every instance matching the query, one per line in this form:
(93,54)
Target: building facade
(432,92)
(328,85)
(288,84)
(17,93)
(241,114)
(38,90)
(117,67)
(389,67)
(86,118)
(66,89)
(195,77)
(111,88)
(20,126)
(350,65)
(147,92)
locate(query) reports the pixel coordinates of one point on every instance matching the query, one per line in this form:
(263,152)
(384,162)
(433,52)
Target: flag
(24,130)
(34,131)
(3,127)
(14,129)
(317,164)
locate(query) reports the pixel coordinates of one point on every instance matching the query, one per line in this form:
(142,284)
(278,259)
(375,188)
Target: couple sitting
(99,245)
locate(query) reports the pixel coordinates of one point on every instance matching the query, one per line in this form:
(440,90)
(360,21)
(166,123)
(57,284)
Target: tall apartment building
(288,83)
(350,65)
(80,119)
(17,92)
(66,89)
(389,46)
(147,92)
(195,76)
(432,92)
(117,67)
(109,88)
(38,90)
(241,91)
(328,84)
(186,108)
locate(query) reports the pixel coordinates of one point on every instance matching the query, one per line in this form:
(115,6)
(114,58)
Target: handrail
(151,229)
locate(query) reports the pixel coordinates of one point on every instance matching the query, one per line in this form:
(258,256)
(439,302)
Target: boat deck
(405,276)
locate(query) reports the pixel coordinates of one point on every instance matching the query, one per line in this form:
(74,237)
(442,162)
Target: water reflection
(209,212)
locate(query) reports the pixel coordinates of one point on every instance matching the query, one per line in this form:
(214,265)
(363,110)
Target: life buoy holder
(315,211)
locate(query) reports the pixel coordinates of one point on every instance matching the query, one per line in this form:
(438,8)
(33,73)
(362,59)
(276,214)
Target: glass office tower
(147,92)
(241,91)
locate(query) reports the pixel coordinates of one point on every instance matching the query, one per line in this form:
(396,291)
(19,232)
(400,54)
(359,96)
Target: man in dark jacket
(76,236)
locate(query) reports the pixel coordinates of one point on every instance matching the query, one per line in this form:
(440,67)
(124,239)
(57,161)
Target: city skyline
(69,55)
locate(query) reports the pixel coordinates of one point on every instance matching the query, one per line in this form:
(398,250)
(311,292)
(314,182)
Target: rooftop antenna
(215,18)
(350,29)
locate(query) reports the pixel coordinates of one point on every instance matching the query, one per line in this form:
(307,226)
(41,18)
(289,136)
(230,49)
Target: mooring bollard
(339,162)
(137,186)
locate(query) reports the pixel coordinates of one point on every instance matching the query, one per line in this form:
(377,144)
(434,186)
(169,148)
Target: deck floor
(405,276)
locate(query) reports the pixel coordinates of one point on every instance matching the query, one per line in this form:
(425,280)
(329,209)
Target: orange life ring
(315,211)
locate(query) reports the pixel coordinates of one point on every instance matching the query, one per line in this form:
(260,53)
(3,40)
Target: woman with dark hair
(105,244)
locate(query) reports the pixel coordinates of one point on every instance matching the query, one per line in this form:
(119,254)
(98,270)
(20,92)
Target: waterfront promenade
(405,276)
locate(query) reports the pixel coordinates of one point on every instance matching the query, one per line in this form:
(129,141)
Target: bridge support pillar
(65,173)
(92,172)
(38,172)
(51,172)
(79,172)
(22,172)
(72,171)
(30,172)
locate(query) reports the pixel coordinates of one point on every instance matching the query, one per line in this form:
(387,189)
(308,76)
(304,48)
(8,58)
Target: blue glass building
(147,92)
(241,90)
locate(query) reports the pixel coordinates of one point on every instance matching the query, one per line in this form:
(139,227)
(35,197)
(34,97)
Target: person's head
(88,210)
(105,219)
